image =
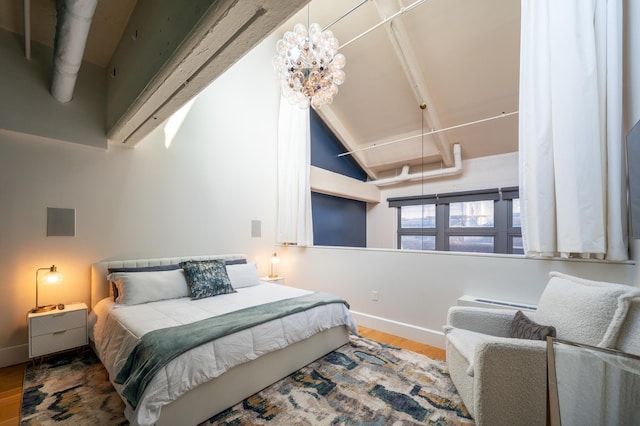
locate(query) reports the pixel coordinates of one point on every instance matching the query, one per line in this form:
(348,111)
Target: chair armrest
(510,382)
(495,322)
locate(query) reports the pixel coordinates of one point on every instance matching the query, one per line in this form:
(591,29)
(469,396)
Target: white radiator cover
(483,302)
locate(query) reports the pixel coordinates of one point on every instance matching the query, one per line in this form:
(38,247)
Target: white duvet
(115,330)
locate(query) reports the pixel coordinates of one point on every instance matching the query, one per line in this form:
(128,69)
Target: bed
(225,370)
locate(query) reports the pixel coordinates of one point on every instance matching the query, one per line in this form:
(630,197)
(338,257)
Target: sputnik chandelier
(309,65)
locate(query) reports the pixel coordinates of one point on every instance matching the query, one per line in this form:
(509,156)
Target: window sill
(489,255)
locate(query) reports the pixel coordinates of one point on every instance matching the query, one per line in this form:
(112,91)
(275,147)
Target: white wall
(198,196)
(497,171)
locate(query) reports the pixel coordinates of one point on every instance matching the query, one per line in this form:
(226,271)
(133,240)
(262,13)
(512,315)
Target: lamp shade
(274,260)
(51,277)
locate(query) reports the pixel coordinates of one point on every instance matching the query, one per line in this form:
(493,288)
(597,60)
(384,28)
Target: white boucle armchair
(503,380)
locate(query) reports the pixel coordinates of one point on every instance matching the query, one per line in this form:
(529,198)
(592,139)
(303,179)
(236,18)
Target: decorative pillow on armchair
(207,278)
(524,328)
(584,311)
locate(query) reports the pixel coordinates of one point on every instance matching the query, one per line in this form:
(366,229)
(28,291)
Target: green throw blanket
(156,348)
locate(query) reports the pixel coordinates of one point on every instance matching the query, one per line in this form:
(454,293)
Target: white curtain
(572,175)
(294,190)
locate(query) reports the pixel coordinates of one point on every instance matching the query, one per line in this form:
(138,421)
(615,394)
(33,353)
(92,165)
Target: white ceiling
(465,59)
(460,58)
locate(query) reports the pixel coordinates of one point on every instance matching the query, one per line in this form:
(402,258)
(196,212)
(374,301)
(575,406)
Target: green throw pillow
(207,278)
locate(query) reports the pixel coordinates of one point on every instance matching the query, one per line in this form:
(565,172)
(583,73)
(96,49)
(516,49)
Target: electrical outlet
(374,295)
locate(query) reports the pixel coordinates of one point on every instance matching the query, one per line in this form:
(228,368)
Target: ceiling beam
(168,55)
(331,183)
(402,46)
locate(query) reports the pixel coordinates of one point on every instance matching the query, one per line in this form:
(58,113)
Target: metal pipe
(72,30)
(405,176)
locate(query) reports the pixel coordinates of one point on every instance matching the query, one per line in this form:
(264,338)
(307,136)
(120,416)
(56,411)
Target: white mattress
(115,330)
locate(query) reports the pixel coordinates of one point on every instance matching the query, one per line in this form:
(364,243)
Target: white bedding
(116,328)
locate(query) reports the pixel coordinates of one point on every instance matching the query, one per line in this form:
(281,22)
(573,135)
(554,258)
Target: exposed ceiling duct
(74,22)
(406,176)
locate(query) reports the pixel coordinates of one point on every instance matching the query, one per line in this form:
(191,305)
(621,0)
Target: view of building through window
(471,214)
(422,216)
(480,221)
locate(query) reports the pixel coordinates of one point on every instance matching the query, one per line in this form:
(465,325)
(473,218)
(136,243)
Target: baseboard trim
(13,355)
(408,331)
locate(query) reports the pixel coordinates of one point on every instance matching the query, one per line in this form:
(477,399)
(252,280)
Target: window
(423,216)
(418,242)
(486,221)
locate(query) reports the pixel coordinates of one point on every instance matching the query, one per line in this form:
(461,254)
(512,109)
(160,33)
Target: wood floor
(11,394)
(11,377)
(390,339)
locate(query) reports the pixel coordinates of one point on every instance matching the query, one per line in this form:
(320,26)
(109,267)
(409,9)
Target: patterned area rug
(70,389)
(363,383)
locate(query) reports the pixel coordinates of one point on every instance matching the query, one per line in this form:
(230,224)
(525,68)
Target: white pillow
(142,287)
(584,311)
(243,275)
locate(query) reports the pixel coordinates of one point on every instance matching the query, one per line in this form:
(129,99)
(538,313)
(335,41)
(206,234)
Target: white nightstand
(275,280)
(57,330)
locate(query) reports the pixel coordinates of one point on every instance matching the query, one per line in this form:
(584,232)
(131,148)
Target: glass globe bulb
(290,39)
(300,31)
(339,61)
(338,77)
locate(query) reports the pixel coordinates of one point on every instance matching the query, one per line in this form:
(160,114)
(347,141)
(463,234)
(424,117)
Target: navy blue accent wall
(338,221)
(325,148)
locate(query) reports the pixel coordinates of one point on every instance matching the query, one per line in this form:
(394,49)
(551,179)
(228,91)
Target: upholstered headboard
(100,284)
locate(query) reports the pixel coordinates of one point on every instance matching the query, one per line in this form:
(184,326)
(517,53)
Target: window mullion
(512,231)
(442,222)
(501,222)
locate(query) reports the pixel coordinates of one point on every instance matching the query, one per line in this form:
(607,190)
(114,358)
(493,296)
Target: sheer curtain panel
(572,175)
(294,190)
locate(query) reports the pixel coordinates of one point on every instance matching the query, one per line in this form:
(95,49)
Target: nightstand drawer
(58,321)
(58,341)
